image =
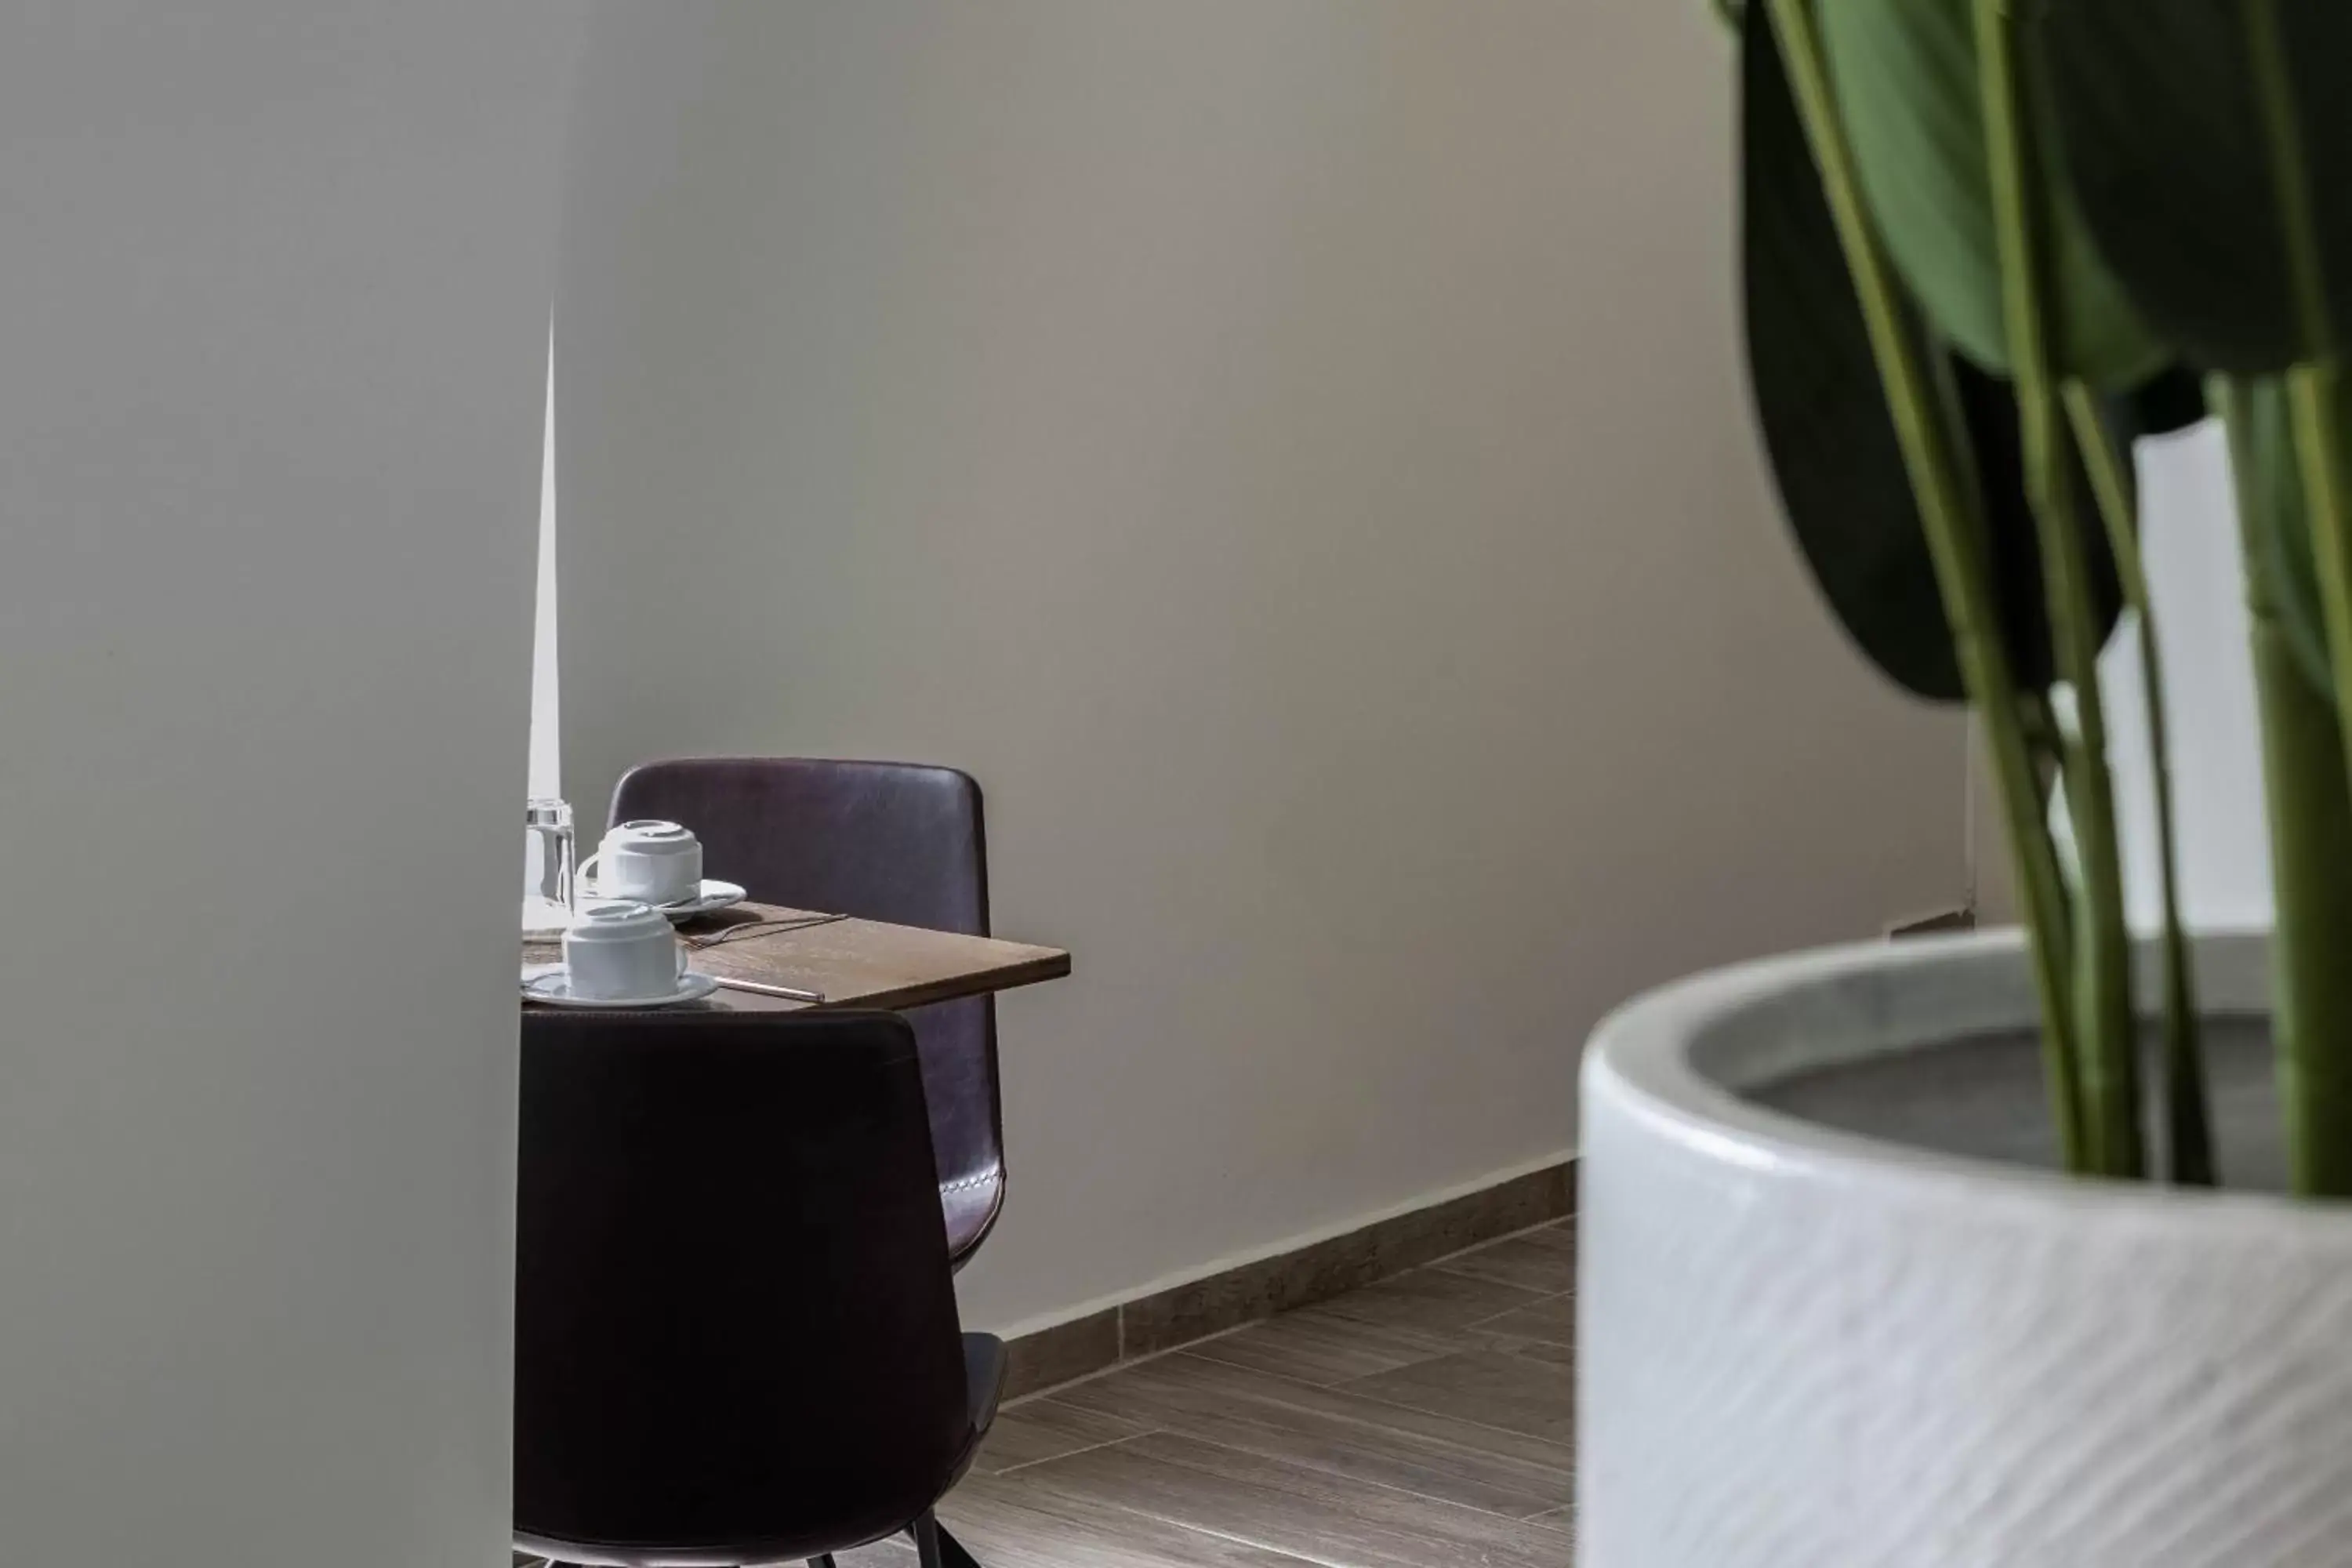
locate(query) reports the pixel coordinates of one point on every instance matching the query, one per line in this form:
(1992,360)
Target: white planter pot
(1808,1347)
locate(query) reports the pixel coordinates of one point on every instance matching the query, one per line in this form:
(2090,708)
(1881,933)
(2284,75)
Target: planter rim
(1641,1060)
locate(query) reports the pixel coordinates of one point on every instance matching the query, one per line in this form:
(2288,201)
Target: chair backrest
(735,1323)
(883,841)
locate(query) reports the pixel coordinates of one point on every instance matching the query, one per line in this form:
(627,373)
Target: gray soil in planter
(1982,1097)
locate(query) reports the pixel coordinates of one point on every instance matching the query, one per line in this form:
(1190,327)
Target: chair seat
(970,1206)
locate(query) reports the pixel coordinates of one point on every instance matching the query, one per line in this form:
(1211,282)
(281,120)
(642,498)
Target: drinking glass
(547,865)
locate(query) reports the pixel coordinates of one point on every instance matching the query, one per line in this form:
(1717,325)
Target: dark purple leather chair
(884,841)
(735,1328)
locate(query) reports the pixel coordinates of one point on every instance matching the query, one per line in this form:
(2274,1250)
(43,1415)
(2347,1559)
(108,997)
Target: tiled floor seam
(1348,1387)
(1322,1470)
(1269,1546)
(1011,1470)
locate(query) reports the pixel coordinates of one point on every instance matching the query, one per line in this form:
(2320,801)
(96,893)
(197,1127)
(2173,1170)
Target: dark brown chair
(883,841)
(736,1334)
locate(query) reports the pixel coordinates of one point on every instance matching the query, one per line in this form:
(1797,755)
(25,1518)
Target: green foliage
(2310,805)
(1827,431)
(2159,116)
(1908,86)
(2095,204)
(1920,399)
(2276,531)
(1832,441)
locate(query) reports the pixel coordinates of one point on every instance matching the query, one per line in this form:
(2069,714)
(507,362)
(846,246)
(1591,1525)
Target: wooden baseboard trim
(1164,1320)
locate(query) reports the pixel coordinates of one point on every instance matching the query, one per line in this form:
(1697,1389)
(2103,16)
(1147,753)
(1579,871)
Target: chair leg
(823,1561)
(935,1547)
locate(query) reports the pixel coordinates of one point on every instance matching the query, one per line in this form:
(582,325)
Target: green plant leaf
(1904,72)
(1991,435)
(1830,440)
(2160,129)
(2280,528)
(1826,428)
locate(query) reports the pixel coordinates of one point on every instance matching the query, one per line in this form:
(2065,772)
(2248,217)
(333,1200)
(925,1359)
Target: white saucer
(551,984)
(715,895)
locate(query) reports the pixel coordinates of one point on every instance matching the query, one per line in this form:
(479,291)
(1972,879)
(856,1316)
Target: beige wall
(1294,453)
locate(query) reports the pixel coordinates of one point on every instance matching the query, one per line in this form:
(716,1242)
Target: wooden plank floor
(1424,1422)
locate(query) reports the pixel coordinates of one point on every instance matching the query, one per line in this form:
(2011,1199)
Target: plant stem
(2107,1032)
(1956,540)
(2310,800)
(2316,1078)
(2031,839)
(2190,1135)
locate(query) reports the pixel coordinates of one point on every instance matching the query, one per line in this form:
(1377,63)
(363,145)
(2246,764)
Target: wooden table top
(850,962)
